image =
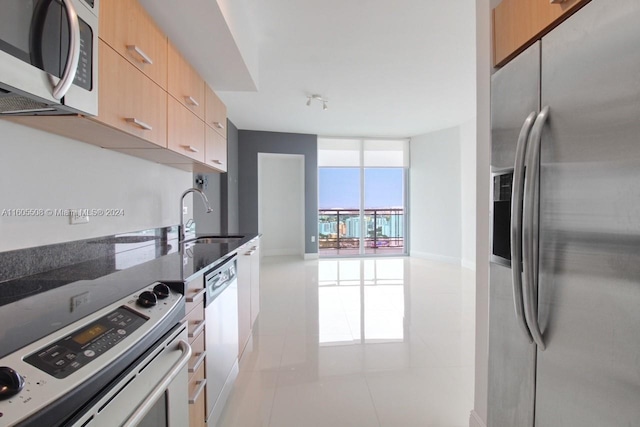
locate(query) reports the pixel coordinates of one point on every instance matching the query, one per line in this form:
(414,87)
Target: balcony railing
(343,229)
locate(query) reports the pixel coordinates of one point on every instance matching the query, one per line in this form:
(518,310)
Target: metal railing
(343,228)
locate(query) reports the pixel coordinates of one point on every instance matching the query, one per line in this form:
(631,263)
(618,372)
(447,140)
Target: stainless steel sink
(215,239)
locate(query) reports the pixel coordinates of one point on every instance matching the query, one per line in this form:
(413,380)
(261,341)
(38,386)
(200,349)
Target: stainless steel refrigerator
(564,324)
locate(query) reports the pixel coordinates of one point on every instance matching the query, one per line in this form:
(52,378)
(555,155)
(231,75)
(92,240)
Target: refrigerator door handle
(531,206)
(516,223)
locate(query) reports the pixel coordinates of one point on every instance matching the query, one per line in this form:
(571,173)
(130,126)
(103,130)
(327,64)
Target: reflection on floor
(358,343)
(353,252)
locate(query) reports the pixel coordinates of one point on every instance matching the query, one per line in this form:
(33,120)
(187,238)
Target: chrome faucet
(181,232)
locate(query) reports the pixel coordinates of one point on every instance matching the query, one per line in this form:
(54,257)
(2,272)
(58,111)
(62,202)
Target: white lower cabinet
(248,290)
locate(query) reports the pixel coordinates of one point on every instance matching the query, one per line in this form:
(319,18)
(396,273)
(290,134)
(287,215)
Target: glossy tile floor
(358,342)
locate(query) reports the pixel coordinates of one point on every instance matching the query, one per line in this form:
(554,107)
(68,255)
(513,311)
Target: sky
(340,188)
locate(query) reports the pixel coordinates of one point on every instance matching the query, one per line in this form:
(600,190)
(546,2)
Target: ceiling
(388,69)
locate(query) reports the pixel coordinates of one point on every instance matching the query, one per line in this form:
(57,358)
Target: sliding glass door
(362,203)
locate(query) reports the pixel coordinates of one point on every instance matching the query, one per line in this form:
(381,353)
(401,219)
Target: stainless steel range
(95,364)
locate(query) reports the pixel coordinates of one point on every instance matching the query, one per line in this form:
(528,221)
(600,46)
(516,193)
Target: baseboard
(436,257)
(475,420)
(471,265)
(311,256)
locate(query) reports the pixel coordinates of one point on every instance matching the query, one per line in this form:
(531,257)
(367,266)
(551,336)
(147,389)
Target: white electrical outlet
(80,300)
(185,210)
(313,239)
(76,216)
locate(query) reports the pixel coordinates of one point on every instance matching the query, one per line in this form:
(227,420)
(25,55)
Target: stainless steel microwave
(48,57)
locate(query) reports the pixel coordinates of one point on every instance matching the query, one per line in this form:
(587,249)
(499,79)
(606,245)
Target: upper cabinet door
(185,84)
(130,101)
(517,23)
(216,112)
(129,30)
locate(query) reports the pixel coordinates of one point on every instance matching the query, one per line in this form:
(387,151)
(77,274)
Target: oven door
(153,392)
(40,57)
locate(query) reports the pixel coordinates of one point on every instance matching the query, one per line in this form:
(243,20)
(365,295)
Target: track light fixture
(318,98)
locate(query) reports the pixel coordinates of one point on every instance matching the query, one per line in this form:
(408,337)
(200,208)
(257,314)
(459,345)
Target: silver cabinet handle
(249,253)
(199,361)
(70,69)
(192,101)
(135,49)
(530,212)
(202,384)
(191,148)
(139,123)
(216,161)
(198,296)
(159,390)
(219,125)
(199,326)
(517,188)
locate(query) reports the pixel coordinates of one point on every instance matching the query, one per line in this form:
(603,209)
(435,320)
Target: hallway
(358,342)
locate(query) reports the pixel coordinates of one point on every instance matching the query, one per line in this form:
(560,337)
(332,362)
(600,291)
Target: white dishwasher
(221,314)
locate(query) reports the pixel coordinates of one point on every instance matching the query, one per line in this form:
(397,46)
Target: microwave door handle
(530,226)
(517,189)
(150,400)
(73,57)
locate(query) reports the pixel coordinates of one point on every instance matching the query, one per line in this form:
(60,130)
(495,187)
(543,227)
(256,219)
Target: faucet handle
(189,223)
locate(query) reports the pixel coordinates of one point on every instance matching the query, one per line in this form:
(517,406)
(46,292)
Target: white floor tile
(358,343)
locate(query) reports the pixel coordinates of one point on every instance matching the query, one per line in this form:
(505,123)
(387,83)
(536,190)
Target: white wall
(44,171)
(435,195)
(281,204)
(468,193)
(483,158)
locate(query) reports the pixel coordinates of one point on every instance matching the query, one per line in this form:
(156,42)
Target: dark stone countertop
(38,304)
(148,261)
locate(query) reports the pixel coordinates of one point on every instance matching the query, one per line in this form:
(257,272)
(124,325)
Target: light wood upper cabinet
(215,150)
(518,23)
(128,29)
(185,84)
(186,134)
(215,112)
(129,100)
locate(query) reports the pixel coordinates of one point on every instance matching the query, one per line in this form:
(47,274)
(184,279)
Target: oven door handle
(148,403)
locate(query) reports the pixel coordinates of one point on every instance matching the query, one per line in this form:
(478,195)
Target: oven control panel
(36,378)
(85,345)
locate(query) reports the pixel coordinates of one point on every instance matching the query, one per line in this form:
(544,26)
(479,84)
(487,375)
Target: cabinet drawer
(194,298)
(215,112)
(215,150)
(129,100)
(185,84)
(130,31)
(195,322)
(198,355)
(185,131)
(197,392)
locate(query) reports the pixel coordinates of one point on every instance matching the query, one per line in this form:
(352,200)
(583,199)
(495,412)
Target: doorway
(281,203)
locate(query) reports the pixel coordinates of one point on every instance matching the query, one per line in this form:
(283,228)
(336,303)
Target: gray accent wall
(229,184)
(250,143)
(222,192)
